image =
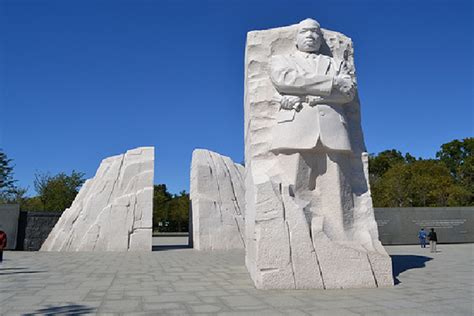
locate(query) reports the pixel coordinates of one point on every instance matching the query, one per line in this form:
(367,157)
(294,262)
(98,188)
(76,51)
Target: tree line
(396,179)
(399,180)
(170,211)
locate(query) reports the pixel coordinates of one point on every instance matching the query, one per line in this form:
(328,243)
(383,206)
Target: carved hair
(311,21)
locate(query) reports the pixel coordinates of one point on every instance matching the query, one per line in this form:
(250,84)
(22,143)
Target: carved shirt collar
(307,55)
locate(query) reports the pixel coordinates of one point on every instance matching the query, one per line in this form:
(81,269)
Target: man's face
(308,38)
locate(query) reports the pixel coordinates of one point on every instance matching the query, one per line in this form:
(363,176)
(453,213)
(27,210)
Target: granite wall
(9,223)
(34,228)
(397,226)
(400,226)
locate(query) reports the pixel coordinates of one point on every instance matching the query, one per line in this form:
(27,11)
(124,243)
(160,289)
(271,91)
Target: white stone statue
(309,215)
(311,134)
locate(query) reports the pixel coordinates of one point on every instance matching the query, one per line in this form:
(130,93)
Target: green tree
(455,154)
(390,189)
(460,196)
(31,204)
(161,199)
(409,158)
(180,213)
(458,156)
(416,184)
(57,193)
(170,211)
(466,174)
(381,163)
(7,183)
(429,183)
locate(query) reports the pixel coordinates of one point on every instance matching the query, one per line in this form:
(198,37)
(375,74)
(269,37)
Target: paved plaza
(184,281)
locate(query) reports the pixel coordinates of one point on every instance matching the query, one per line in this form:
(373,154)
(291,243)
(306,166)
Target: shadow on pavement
(11,271)
(170,247)
(73,309)
(402,263)
(20,272)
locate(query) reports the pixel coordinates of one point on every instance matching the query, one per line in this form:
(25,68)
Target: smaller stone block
(217,201)
(113,210)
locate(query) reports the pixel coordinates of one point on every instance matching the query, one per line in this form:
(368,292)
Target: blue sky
(83,80)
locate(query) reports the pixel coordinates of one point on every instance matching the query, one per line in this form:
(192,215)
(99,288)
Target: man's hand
(290,102)
(313,100)
(345,84)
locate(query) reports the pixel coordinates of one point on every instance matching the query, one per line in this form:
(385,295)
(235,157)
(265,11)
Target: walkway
(185,281)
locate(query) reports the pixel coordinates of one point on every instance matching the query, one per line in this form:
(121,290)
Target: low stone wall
(34,228)
(397,226)
(9,223)
(400,226)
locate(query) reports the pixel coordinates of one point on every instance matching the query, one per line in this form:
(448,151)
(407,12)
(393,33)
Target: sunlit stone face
(308,37)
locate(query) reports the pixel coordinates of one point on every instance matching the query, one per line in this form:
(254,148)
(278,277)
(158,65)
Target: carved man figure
(311,135)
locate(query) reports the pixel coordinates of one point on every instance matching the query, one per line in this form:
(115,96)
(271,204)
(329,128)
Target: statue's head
(309,36)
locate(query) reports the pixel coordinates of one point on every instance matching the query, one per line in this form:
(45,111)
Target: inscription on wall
(400,226)
(382,222)
(440,223)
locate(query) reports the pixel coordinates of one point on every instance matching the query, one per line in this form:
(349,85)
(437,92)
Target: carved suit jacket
(302,74)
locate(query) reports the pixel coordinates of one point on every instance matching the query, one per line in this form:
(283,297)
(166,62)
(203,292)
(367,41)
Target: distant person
(3,243)
(422,237)
(433,240)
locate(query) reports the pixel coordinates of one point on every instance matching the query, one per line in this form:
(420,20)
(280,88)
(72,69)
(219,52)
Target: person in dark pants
(3,243)
(433,240)
(422,237)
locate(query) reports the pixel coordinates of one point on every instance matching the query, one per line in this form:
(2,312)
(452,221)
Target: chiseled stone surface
(309,218)
(217,196)
(112,211)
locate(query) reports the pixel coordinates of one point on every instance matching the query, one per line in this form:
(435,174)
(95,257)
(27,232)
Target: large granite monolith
(113,210)
(309,219)
(217,196)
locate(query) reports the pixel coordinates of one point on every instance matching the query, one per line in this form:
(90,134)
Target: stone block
(217,196)
(112,211)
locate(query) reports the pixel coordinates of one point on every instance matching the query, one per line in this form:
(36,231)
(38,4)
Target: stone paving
(185,281)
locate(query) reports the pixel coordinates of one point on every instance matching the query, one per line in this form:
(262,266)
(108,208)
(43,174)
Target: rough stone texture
(300,237)
(217,197)
(9,214)
(34,228)
(113,211)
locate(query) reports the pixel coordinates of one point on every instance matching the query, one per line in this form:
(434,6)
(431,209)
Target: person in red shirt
(3,243)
